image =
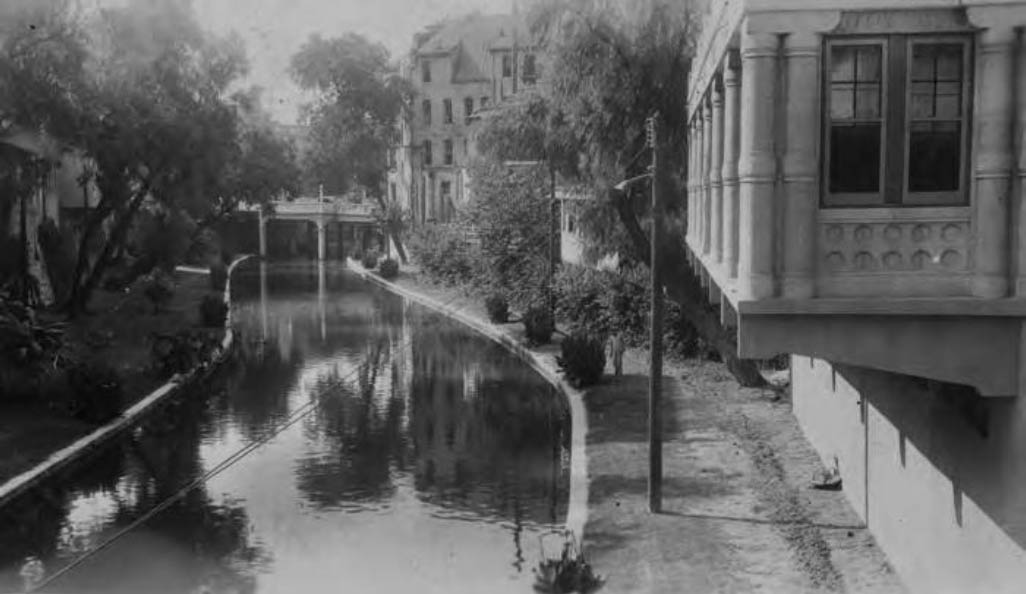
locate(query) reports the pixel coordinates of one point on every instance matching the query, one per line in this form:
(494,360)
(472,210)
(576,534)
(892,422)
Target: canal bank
(740,514)
(65,454)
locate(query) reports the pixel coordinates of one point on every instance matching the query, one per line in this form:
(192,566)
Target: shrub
(443,253)
(181,352)
(498,309)
(539,325)
(218,276)
(159,288)
(582,359)
(370,260)
(389,268)
(96,392)
(213,311)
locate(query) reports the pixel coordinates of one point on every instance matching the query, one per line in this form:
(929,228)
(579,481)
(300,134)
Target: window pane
(867,101)
(842,102)
(922,105)
(868,64)
(922,64)
(949,61)
(842,63)
(949,106)
(855,158)
(934,161)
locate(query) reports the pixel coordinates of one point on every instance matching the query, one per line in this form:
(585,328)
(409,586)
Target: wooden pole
(655,386)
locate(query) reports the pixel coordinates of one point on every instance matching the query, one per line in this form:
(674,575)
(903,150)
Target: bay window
(896,120)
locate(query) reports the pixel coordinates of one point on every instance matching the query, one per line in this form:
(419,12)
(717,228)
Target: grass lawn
(117,330)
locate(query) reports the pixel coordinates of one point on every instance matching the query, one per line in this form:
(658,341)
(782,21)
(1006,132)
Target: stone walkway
(739,514)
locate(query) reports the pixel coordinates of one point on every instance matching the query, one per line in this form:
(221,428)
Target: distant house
(457,69)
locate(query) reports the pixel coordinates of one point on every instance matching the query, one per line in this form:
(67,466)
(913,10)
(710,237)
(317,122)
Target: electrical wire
(225,464)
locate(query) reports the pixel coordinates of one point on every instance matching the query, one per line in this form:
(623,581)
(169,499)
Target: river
(356,443)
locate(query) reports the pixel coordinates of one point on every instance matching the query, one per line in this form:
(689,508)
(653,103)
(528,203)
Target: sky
(274,30)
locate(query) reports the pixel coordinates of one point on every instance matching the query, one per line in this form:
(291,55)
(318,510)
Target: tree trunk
(396,239)
(682,286)
(117,237)
(92,223)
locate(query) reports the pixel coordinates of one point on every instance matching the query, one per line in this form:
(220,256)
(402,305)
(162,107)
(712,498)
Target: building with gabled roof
(457,68)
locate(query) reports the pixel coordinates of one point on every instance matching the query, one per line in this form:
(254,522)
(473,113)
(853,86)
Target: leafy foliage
(512,211)
(497,307)
(159,288)
(538,325)
(213,311)
(571,572)
(388,268)
(443,253)
(582,359)
(182,352)
(29,343)
(369,260)
(97,392)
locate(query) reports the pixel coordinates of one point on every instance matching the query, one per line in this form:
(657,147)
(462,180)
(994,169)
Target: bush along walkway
(739,513)
(63,449)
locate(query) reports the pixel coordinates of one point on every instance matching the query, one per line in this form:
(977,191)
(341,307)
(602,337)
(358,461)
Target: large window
(447,111)
(468,109)
(447,146)
(425,111)
(425,71)
(427,152)
(507,65)
(897,119)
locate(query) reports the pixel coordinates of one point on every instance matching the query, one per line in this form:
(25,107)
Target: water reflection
(416,455)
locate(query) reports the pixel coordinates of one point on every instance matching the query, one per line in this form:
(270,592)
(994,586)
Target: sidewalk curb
(17,485)
(577,513)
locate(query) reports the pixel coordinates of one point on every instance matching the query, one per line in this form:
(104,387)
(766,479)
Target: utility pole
(655,385)
(553,221)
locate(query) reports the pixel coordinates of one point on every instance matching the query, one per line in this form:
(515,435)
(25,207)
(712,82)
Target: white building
(857,200)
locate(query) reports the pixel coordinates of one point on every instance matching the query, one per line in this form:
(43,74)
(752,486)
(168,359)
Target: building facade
(457,69)
(856,199)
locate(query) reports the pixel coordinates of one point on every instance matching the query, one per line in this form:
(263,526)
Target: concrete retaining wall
(939,476)
(127,419)
(577,514)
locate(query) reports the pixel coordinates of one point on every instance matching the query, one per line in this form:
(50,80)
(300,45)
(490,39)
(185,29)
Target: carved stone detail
(905,246)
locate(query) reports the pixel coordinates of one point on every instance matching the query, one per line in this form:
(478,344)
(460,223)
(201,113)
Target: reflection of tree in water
(489,435)
(360,424)
(137,473)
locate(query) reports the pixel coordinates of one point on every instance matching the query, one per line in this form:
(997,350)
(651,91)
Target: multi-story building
(856,199)
(456,69)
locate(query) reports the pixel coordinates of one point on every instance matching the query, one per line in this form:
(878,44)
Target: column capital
(731,68)
(802,43)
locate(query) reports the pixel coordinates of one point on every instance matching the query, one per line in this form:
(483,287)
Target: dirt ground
(739,513)
(117,330)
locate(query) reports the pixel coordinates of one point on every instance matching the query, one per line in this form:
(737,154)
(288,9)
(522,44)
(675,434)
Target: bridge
(319,210)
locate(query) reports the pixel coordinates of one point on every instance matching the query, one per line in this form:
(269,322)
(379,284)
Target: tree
(352,121)
(157,127)
(612,65)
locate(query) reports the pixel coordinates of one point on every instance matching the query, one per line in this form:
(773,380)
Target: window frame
(894,168)
(448,152)
(855,199)
(447,111)
(425,70)
(468,109)
(427,153)
(425,111)
(959,196)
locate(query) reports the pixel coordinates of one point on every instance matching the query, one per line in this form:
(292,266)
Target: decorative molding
(902,21)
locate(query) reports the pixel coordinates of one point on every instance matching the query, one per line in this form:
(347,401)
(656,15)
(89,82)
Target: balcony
(893,275)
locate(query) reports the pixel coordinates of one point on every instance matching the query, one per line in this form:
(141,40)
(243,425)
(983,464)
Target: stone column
(700,180)
(801,196)
(691,182)
(707,176)
(1020,183)
(993,167)
(716,176)
(731,126)
(757,165)
(320,240)
(262,232)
